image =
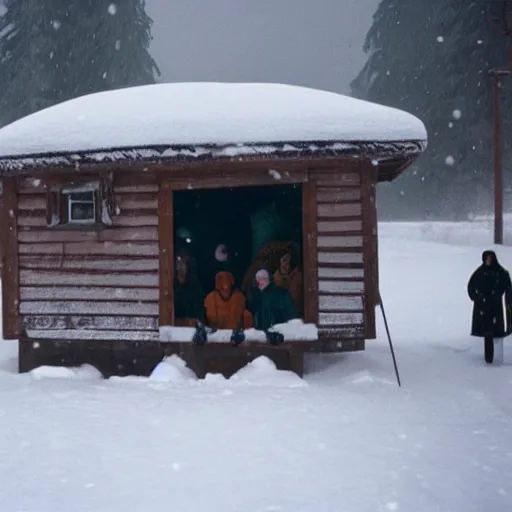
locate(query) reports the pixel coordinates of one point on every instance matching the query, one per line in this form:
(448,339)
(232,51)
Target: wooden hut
(90,200)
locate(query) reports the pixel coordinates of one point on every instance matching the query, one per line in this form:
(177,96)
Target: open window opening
(238,257)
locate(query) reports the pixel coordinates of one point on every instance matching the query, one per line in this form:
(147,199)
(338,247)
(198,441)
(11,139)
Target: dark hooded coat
(271,306)
(486,288)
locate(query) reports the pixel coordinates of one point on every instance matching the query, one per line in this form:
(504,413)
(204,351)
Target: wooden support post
(166,254)
(309,250)
(10,268)
(368,182)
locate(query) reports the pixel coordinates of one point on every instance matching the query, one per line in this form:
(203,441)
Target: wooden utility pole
(497,82)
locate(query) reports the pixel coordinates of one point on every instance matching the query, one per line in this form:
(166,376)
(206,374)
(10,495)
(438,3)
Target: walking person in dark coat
(486,288)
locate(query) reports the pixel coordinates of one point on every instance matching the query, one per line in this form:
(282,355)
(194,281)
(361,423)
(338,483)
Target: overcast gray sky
(316,43)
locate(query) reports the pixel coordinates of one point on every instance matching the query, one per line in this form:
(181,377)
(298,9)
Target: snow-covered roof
(194,114)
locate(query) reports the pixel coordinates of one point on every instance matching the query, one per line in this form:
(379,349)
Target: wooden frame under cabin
(97,293)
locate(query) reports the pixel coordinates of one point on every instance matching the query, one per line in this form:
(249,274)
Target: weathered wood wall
(340,244)
(87,284)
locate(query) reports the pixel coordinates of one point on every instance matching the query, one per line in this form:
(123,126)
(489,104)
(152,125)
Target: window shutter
(107,199)
(53,208)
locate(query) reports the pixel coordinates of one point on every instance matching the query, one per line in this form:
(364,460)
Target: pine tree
(55,50)
(432,59)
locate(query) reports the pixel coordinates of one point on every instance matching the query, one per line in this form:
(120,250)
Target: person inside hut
(226,306)
(270,304)
(224,261)
(486,288)
(188,293)
(289,276)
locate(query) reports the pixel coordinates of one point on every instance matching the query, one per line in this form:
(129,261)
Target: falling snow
(55,24)
(450,125)
(440,39)
(450,160)
(456,114)
(118,45)
(112,9)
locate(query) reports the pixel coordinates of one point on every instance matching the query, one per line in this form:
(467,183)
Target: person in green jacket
(270,304)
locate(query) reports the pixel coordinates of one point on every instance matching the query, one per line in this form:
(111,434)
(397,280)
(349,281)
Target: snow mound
(367,377)
(205,113)
(172,369)
(262,371)
(84,372)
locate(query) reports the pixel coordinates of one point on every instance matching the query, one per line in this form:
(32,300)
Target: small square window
(81,207)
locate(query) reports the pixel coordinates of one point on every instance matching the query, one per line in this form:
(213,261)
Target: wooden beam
(203,179)
(309,250)
(10,266)
(368,181)
(166,251)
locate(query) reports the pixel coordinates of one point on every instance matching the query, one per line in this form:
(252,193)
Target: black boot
(489,349)
(200,336)
(237,337)
(274,337)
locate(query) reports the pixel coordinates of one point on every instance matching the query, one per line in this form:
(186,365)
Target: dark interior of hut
(237,231)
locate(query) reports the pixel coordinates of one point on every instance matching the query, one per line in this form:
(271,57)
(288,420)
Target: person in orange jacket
(225,306)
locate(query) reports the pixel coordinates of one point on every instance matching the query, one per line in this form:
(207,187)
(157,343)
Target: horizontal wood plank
(340,303)
(340,241)
(136,234)
(135,189)
(123,220)
(124,201)
(32,202)
(88,308)
(340,273)
(136,201)
(335,178)
(42,277)
(56,261)
(337,257)
(337,194)
(70,335)
(31,187)
(341,286)
(339,210)
(135,220)
(340,226)
(27,220)
(340,318)
(87,293)
(88,248)
(113,323)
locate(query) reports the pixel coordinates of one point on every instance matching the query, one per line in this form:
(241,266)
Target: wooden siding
(340,242)
(90,284)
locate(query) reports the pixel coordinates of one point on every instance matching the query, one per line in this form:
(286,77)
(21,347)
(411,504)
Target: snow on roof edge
(184,154)
(204,113)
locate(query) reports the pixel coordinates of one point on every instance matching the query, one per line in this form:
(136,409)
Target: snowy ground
(345,439)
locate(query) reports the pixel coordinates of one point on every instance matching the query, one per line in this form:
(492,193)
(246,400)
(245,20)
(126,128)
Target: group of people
(271,295)
(492,317)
